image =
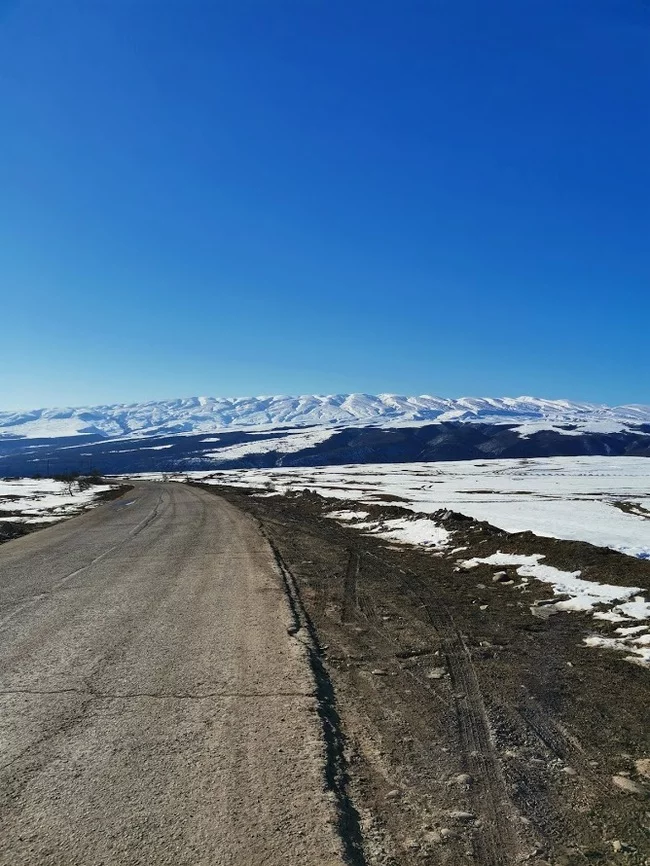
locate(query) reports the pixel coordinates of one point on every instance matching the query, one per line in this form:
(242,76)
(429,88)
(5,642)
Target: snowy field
(601,500)
(36,501)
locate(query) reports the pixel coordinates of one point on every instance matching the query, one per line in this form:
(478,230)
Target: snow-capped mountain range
(197,415)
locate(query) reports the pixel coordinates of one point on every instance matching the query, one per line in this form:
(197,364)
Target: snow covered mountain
(195,415)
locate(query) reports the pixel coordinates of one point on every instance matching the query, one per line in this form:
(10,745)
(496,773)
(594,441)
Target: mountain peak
(211,414)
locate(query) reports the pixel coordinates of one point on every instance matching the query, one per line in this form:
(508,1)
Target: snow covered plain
(602,500)
(37,501)
(292,442)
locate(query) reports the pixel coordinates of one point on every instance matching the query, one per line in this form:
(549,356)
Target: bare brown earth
(474,731)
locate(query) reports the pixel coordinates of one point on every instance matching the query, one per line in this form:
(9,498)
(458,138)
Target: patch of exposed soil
(10,529)
(475,731)
(633,508)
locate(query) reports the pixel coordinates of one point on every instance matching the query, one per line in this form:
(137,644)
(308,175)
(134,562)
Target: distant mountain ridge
(197,415)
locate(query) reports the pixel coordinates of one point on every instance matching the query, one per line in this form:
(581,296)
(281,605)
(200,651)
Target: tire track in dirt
(497,844)
(558,740)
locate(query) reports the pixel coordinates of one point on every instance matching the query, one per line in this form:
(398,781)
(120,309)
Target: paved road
(153,708)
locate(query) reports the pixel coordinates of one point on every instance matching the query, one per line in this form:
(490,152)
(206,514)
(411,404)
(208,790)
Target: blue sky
(233,197)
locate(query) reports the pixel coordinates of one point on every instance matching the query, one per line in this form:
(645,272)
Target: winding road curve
(153,707)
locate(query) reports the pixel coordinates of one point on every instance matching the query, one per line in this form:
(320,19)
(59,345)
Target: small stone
(643,767)
(483,607)
(293,629)
(446,833)
(569,771)
(463,779)
(460,815)
(617,845)
(378,672)
(628,785)
(393,795)
(436,673)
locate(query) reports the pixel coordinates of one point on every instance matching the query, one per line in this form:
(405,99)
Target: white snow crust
(43,500)
(287,444)
(583,594)
(407,530)
(573,498)
(347,515)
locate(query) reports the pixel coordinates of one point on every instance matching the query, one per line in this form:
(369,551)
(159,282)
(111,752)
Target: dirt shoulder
(476,731)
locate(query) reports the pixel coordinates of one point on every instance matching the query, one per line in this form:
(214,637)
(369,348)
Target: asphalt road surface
(153,707)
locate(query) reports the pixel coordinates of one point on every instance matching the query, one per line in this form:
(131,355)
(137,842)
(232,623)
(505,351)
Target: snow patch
(405,530)
(287,444)
(584,596)
(347,515)
(638,654)
(43,500)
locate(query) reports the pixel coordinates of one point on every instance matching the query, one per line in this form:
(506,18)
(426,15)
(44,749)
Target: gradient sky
(233,198)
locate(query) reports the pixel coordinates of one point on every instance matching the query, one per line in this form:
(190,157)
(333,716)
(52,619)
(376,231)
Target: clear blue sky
(234,197)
